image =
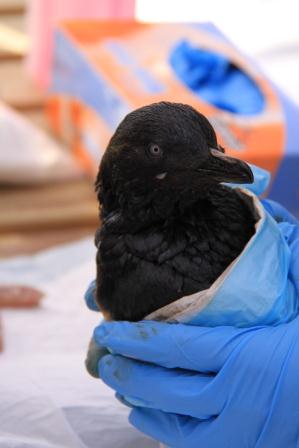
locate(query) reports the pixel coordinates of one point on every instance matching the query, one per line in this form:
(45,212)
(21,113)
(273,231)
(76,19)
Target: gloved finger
(94,354)
(279,212)
(123,400)
(170,390)
(187,347)
(90,297)
(176,431)
(291,235)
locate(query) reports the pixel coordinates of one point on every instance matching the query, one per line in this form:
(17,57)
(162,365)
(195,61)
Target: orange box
(103,70)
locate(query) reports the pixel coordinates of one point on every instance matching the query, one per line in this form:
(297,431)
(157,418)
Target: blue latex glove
(279,213)
(211,387)
(89,297)
(216,79)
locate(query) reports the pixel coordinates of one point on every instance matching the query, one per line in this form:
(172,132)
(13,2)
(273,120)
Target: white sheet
(46,397)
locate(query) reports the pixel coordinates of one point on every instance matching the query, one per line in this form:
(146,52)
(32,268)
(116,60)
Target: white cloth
(47,399)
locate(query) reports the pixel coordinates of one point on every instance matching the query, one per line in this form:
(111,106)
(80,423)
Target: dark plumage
(169,228)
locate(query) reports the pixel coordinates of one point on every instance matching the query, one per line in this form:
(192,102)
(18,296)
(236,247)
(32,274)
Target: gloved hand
(206,387)
(210,387)
(278,212)
(289,226)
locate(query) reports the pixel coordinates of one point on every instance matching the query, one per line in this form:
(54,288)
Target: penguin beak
(220,167)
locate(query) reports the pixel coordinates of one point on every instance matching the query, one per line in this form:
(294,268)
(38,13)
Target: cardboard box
(103,70)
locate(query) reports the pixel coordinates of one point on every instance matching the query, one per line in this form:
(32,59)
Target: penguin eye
(155,150)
